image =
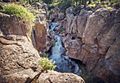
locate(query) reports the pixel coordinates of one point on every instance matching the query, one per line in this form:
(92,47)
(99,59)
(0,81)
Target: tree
(45,64)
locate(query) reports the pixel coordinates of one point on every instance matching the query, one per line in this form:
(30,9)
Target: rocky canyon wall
(94,39)
(17,54)
(39,31)
(19,60)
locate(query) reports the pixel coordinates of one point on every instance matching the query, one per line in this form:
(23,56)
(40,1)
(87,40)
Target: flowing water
(63,63)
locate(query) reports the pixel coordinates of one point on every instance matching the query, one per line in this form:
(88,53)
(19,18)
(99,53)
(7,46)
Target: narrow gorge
(91,38)
(64,64)
(78,43)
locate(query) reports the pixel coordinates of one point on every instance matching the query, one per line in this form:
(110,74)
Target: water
(63,63)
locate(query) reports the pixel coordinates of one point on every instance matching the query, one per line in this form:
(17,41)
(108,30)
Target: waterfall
(63,63)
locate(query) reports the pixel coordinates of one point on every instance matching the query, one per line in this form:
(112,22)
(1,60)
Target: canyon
(19,60)
(85,42)
(93,38)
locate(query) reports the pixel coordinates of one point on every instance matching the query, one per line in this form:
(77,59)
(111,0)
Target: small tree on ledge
(46,65)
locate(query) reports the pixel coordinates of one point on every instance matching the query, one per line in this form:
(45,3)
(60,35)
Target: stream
(63,63)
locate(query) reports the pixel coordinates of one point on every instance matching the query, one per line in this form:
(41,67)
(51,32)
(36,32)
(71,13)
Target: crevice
(35,79)
(49,80)
(21,65)
(96,63)
(110,47)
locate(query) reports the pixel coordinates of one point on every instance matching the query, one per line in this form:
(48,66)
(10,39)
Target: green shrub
(47,64)
(19,11)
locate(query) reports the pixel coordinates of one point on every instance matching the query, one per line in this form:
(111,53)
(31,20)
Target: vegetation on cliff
(19,11)
(67,3)
(47,64)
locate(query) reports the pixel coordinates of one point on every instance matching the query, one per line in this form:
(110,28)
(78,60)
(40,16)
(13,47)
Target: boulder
(56,77)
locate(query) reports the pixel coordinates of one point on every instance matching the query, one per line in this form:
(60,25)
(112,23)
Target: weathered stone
(81,23)
(56,77)
(39,36)
(16,51)
(73,46)
(101,33)
(69,18)
(8,28)
(50,77)
(99,43)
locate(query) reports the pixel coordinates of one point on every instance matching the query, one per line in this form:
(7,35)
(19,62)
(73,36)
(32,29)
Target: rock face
(7,22)
(73,46)
(39,37)
(98,41)
(39,32)
(101,37)
(19,59)
(16,51)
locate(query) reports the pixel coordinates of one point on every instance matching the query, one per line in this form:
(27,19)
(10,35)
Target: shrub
(47,64)
(19,11)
